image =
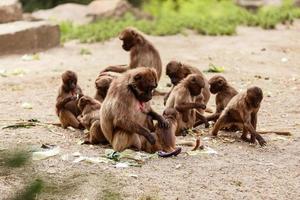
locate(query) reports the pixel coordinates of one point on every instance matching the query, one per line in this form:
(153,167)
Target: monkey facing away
(90,119)
(66,101)
(142,52)
(126,109)
(225,92)
(183,99)
(102,84)
(177,71)
(242,111)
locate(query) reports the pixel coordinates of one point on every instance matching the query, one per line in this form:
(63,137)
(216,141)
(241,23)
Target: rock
(113,9)
(73,12)
(27,37)
(10,10)
(254,4)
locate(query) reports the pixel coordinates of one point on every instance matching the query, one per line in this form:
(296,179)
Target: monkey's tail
(195,144)
(286,133)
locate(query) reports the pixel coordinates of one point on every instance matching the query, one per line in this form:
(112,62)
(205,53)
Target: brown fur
(183,99)
(165,137)
(242,111)
(102,84)
(178,71)
(66,101)
(142,52)
(90,119)
(126,109)
(224,91)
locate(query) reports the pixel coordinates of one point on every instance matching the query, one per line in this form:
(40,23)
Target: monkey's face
(216,83)
(143,83)
(195,84)
(176,72)
(254,96)
(171,113)
(69,79)
(129,38)
(102,84)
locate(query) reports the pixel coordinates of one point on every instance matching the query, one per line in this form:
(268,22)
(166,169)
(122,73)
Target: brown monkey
(242,111)
(183,99)
(90,119)
(165,137)
(126,109)
(102,84)
(225,92)
(178,71)
(66,101)
(142,52)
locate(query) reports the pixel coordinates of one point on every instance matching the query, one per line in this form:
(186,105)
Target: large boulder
(10,10)
(73,12)
(113,9)
(28,37)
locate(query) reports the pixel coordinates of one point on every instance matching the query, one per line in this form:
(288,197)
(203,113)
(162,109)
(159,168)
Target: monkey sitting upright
(225,92)
(66,102)
(242,111)
(90,119)
(183,99)
(126,109)
(142,52)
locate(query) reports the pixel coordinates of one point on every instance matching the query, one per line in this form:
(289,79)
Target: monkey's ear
(133,33)
(180,64)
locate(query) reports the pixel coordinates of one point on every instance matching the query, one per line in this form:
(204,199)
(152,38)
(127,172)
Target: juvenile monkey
(90,119)
(178,71)
(225,92)
(165,137)
(102,84)
(242,111)
(126,109)
(142,52)
(66,101)
(183,99)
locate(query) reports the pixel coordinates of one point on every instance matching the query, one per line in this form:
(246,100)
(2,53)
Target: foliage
(30,191)
(208,17)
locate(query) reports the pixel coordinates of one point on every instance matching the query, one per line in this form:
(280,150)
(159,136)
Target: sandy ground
(268,59)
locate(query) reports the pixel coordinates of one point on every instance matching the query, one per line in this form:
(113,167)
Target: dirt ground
(269,59)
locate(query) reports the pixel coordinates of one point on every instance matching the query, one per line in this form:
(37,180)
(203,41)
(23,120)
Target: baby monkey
(66,101)
(242,111)
(224,93)
(90,119)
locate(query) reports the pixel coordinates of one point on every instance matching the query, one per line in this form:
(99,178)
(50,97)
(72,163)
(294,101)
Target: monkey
(177,71)
(225,92)
(126,107)
(102,84)
(242,111)
(183,99)
(66,101)
(90,119)
(165,143)
(142,52)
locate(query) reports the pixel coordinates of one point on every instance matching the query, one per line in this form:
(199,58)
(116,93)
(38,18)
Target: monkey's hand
(163,123)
